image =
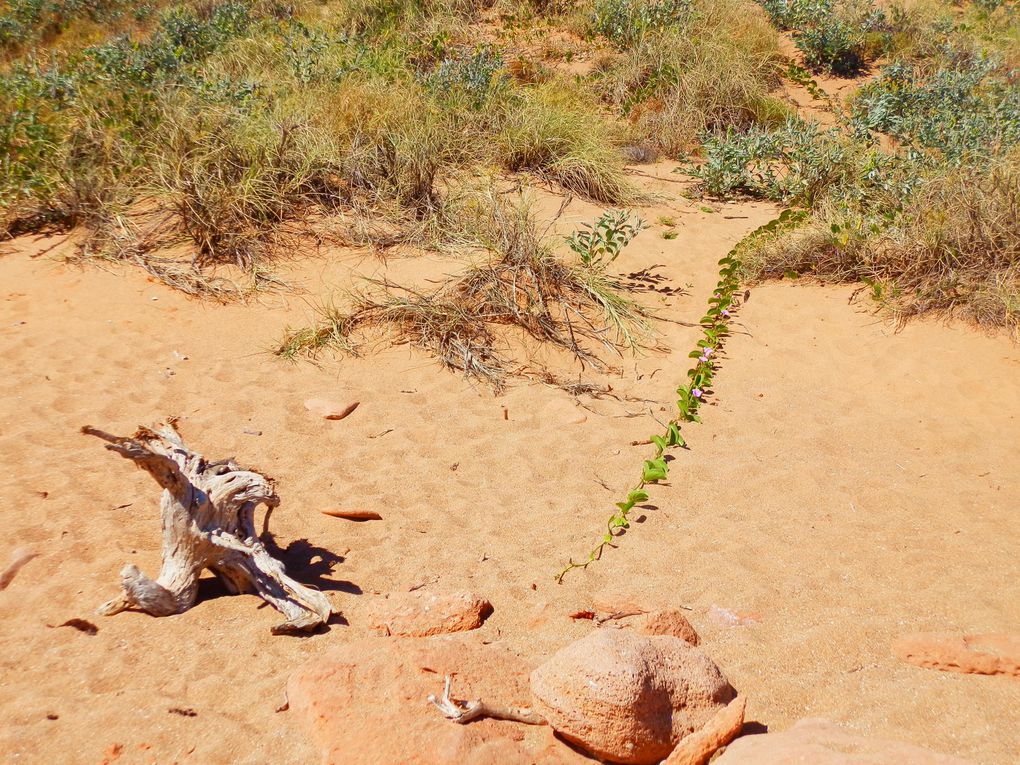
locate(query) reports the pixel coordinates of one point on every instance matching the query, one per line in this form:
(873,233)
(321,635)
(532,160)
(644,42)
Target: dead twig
(465,711)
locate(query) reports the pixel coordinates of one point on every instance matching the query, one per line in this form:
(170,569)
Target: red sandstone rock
(698,748)
(365,703)
(669,622)
(820,742)
(991,654)
(329,410)
(629,698)
(420,614)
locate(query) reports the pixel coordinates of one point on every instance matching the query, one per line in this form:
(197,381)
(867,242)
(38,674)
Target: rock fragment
(988,654)
(420,614)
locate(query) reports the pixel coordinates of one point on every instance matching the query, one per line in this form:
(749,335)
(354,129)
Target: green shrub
(627,22)
(468,77)
(796,163)
(837,37)
(952,246)
(23,22)
(972,108)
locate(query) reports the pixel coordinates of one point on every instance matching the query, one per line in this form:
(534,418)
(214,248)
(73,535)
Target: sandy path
(841,505)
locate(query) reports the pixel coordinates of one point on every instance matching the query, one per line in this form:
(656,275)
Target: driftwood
(208,518)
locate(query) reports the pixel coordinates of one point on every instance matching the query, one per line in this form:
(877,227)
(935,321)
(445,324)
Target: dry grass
(954,249)
(718,73)
(521,285)
(558,132)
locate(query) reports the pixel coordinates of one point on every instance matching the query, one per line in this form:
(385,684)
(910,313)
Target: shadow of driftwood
(310,564)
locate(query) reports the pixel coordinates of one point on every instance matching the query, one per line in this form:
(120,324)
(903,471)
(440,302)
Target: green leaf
(673,435)
(654,470)
(625,507)
(660,443)
(637,495)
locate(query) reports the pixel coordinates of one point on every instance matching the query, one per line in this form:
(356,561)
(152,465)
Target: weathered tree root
(208,518)
(465,712)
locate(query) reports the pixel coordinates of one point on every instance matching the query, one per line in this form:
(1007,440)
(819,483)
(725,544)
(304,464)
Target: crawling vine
(691,395)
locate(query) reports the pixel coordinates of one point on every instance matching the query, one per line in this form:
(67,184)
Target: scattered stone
(724,617)
(669,622)
(329,410)
(18,561)
(989,654)
(364,703)
(420,614)
(354,515)
(616,601)
(629,698)
(698,748)
(821,742)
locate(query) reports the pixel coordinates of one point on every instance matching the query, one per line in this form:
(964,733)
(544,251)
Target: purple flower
(725,313)
(703,359)
(708,351)
(696,392)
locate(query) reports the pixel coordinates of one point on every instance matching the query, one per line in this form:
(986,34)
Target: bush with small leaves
(970,109)
(627,22)
(837,37)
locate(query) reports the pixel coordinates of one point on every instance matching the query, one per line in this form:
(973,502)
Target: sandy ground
(849,484)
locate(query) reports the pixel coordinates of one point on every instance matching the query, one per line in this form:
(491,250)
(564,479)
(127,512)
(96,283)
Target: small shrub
(471,77)
(521,284)
(627,22)
(972,108)
(599,244)
(796,163)
(838,37)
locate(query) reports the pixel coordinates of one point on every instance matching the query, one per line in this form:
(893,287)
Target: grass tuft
(521,285)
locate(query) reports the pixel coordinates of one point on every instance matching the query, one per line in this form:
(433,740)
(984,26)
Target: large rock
(819,742)
(365,703)
(629,698)
(993,654)
(420,614)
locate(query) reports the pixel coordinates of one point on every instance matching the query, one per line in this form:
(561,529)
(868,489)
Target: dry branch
(208,519)
(465,712)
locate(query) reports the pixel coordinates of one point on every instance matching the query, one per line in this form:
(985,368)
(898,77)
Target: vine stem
(715,328)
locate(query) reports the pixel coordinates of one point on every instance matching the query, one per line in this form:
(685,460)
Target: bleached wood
(463,712)
(208,519)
